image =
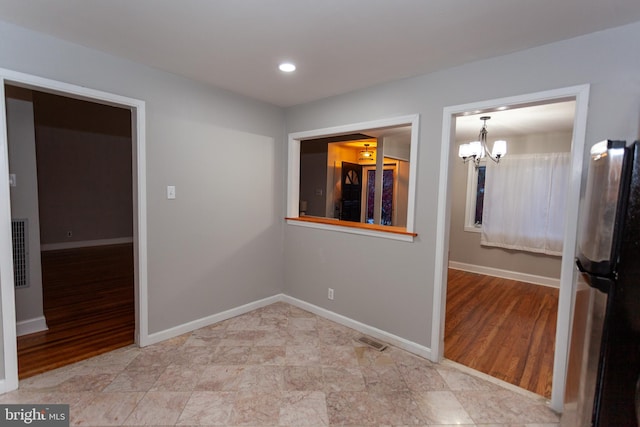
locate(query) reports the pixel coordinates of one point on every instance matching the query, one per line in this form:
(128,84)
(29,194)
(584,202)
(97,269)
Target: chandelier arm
(483,141)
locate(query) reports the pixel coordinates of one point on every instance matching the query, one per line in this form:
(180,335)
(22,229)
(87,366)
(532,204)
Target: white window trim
(470,204)
(293,173)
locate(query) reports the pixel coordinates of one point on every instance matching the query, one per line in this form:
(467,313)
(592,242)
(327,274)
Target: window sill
(473,229)
(373,230)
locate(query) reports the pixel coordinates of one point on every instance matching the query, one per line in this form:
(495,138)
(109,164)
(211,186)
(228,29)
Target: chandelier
(476,150)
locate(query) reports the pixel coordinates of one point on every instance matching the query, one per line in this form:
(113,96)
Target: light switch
(12,180)
(171,192)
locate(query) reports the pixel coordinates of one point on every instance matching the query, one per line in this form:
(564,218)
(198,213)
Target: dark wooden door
(351,192)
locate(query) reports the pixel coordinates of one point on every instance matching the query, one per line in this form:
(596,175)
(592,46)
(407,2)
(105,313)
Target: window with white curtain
(524,202)
(475,196)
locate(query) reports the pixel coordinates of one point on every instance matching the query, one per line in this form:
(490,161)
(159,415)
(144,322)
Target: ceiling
(506,122)
(338,45)
(518,121)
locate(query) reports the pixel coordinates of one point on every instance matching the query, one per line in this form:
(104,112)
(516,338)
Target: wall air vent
(20,238)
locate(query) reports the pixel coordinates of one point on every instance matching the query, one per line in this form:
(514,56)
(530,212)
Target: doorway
(580,95)
(351,186)
(71,167)
(502,286)
(7,291)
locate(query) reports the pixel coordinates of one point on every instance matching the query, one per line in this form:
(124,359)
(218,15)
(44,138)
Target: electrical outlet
(330,294)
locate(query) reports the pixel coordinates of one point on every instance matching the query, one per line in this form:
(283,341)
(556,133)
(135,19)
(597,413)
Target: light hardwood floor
(502,328)
(88,305)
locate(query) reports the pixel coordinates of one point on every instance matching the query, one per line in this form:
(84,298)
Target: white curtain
(524,202)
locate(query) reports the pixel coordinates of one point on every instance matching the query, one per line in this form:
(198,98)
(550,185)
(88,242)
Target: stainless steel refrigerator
(607,350)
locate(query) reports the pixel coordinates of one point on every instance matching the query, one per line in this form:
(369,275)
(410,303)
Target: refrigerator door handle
(601,283)
(580,267)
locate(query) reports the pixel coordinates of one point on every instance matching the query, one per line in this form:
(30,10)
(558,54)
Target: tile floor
(276,366)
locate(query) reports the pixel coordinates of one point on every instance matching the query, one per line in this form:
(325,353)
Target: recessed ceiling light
(287,67)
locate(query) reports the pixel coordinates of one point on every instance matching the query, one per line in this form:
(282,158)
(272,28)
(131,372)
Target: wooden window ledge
(365,228)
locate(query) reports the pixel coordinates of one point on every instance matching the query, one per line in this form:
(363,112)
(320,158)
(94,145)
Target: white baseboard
(209,320)
(31,326)
(395,340)
(389,338)
(85,243)
(506,274)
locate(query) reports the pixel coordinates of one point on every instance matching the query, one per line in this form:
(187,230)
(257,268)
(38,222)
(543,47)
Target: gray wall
(464,246)
(389,284)
(85,186)
(313,176)
(226,155)
(24,200)
(218,245)
(84,170)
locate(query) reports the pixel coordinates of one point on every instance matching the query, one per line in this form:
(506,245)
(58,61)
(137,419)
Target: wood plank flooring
(89,307)
(502,328)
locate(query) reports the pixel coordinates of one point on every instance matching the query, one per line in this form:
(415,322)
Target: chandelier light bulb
(499,148)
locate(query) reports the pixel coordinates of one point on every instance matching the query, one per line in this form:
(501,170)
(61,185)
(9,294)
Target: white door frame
(7,294)
(566,296)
